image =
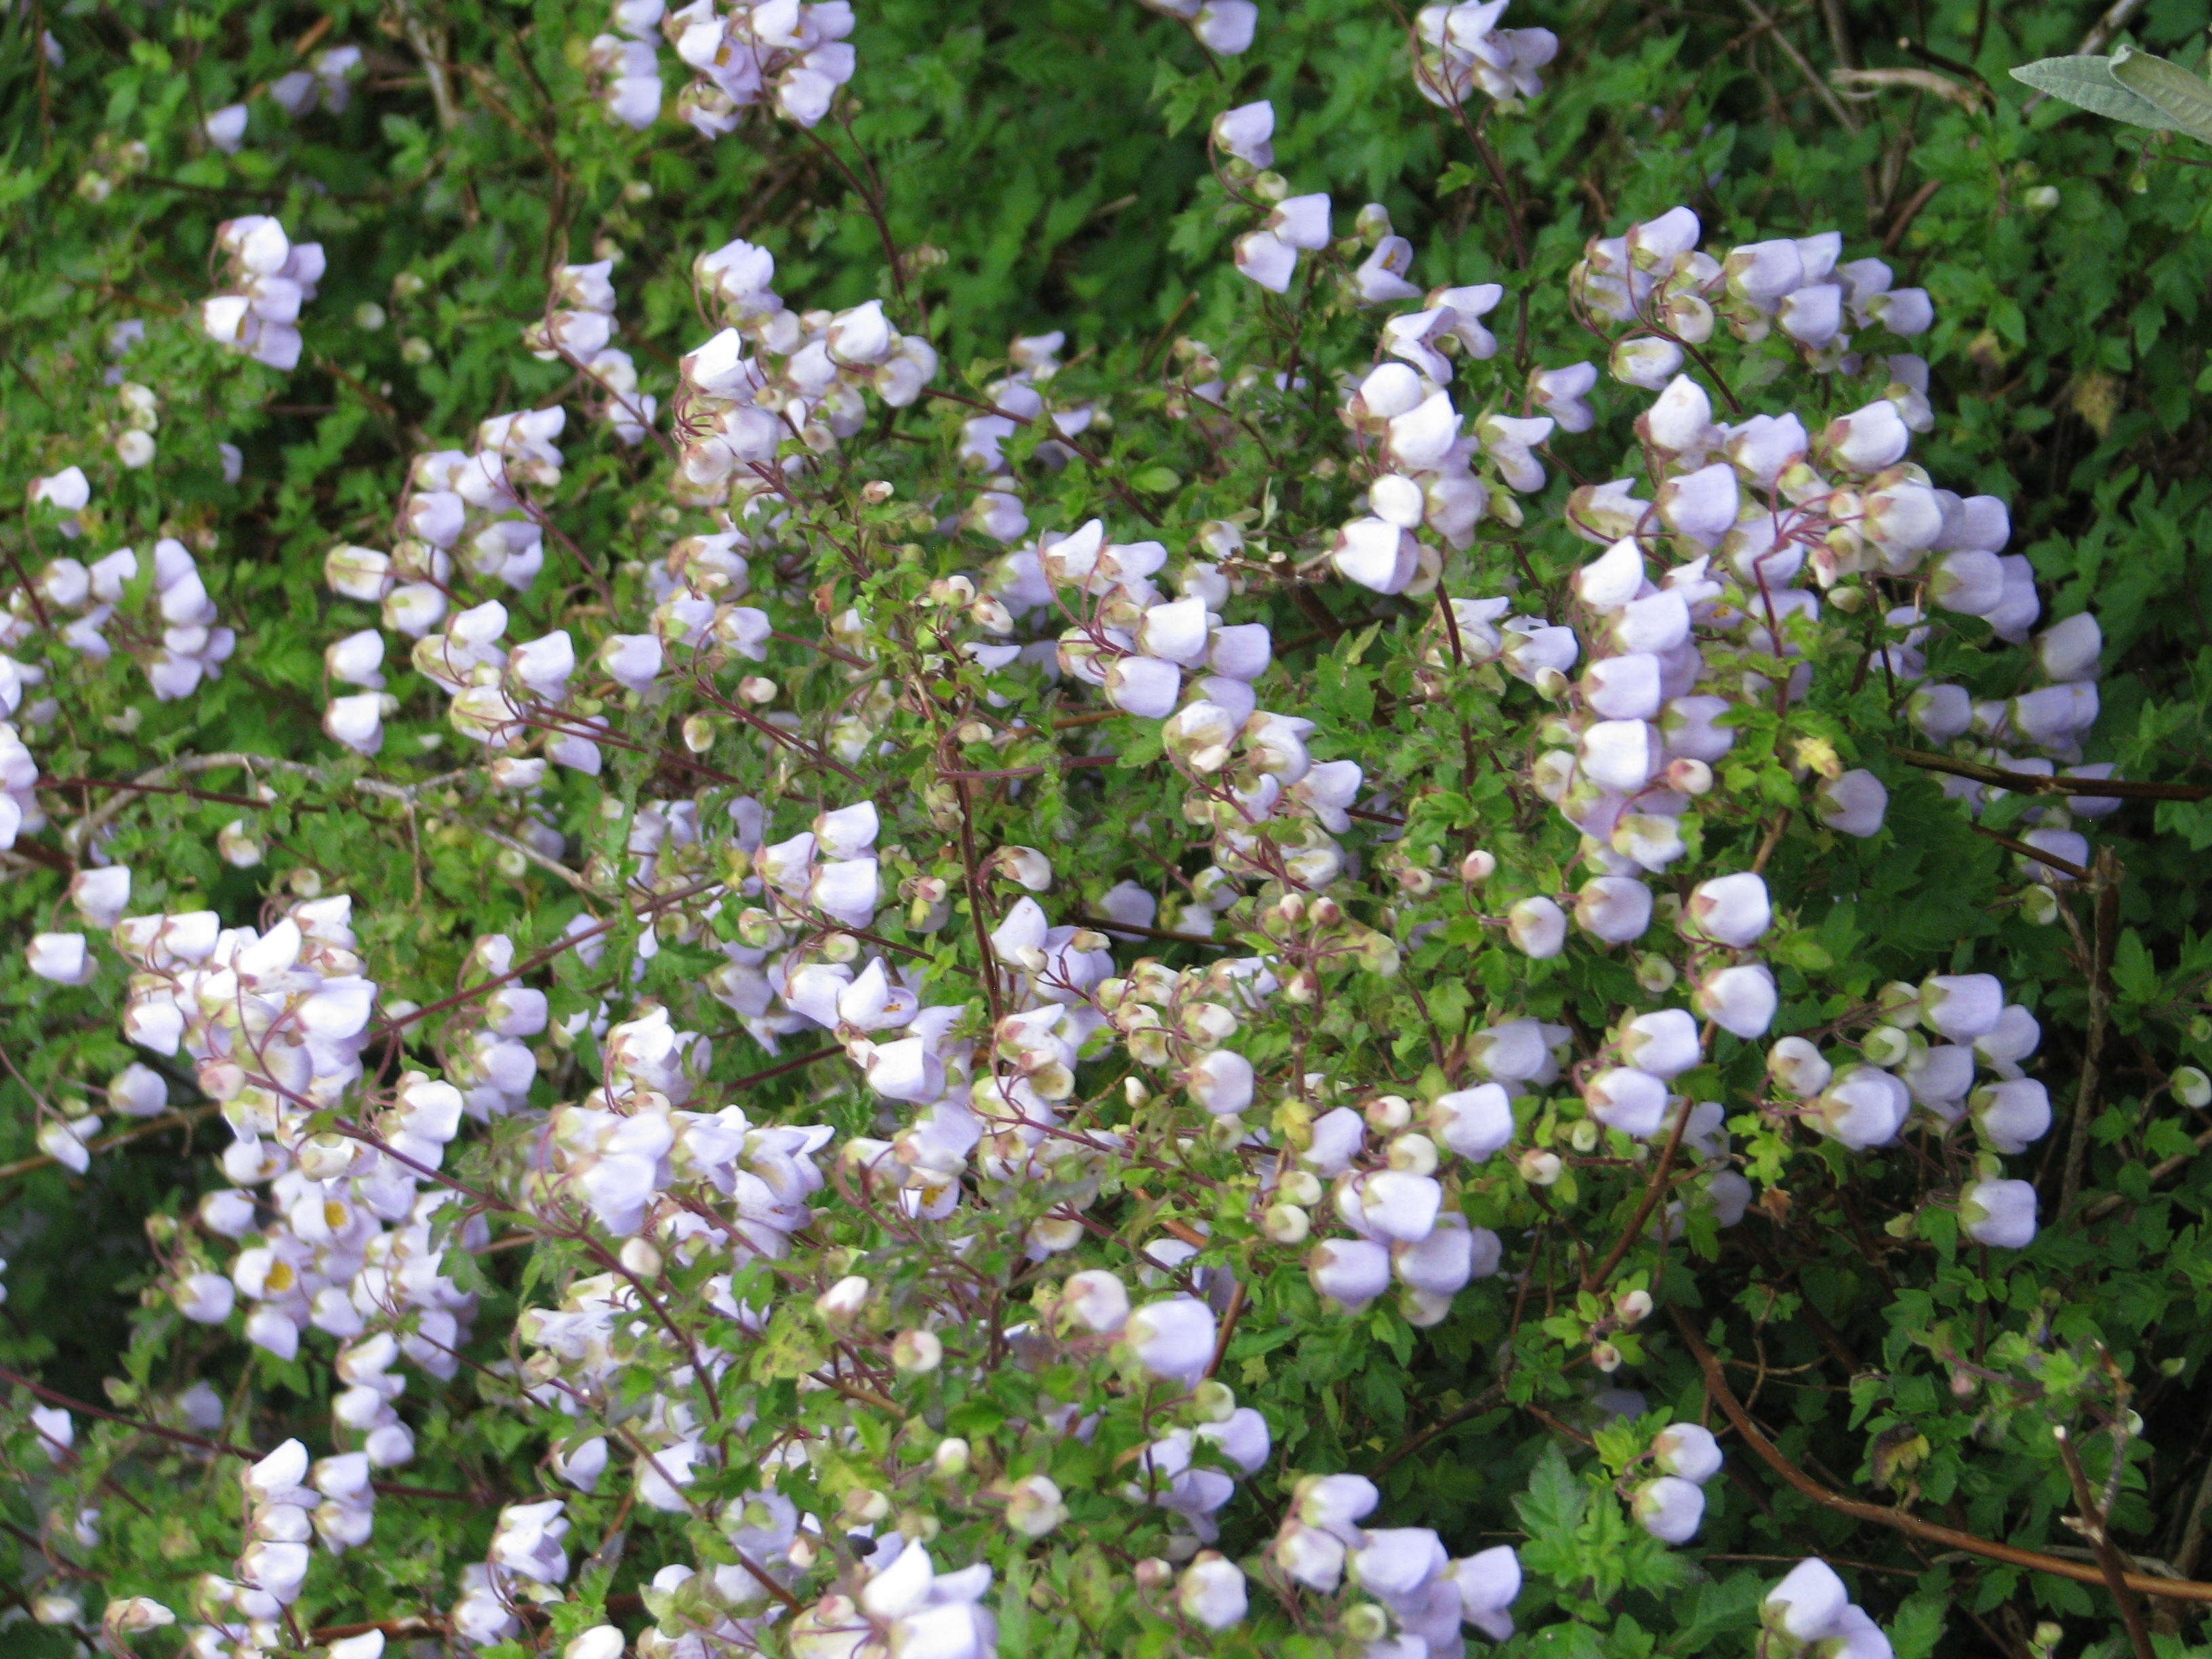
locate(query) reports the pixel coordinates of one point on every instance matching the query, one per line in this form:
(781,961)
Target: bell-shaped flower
(1376,554)
(2011,1115)
(1807,1604)
(1443,1261)
(1701,504)
(1175,632)
(1172,1339)
(1620,755)
(1731,910)
(1680,419)
(1624,1098)
(1241,652)
(1962,1006)
(1740,999)
(1266,259)
(1664,1043)
(1096,1299)
(861,335)
(1301,221)
(2054,715)
(1614,908)
(67,490)
(1563,394)
(1689,1450)
(1657,621)
(2014,1038)
(61,957)
(1145,686)
(1611,581)
(1798,1068)
(1537,926)
(1212,1592)
(1349,1272)
(1852,803)
(101,894)
(1393,1562)
(1380,278)
(1336,1504)
(1862,1106)
(1488,1581)
(1938,1076)
(1475,1123)
(1395,1205)
(1812,315)
(1867,439)
(1422,437)
(908,1070)
(1245,132)
(1999,1213)
(1624,688)
(2069,650)
(1669,1508)
(1644,361)
(355,659)
(1221,1082)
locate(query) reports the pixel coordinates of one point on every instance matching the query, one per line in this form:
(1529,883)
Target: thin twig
(2108,1558)
(2013,844)
(2030,783)
(2103,940)
(1821,89)
(1102,925)
(1595,1278)
(153,1127)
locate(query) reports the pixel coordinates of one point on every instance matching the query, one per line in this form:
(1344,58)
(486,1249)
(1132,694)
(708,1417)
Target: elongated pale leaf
(2181,97)
(2090,83)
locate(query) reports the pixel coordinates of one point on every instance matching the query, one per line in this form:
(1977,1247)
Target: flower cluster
(1460,51)
(325,83)
(906,1201)
(793,53)
(271,278)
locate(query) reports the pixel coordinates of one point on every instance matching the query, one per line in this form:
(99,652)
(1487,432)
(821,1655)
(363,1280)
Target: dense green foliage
(1045,167)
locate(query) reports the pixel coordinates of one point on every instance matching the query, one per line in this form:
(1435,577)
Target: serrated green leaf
(1552,1507)
(1917,1625)
(2090,83)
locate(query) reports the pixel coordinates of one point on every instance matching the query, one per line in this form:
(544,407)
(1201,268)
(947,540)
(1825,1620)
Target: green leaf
(2133,975)
(1552,1507)
(2091,83)
(1917,1625)
(1157,480)
(1716,1609)
(2181,97)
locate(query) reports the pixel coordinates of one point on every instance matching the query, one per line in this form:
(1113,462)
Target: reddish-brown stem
(2179,1589)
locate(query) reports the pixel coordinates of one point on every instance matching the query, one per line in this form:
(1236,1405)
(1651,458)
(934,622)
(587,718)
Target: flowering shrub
(841,933)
